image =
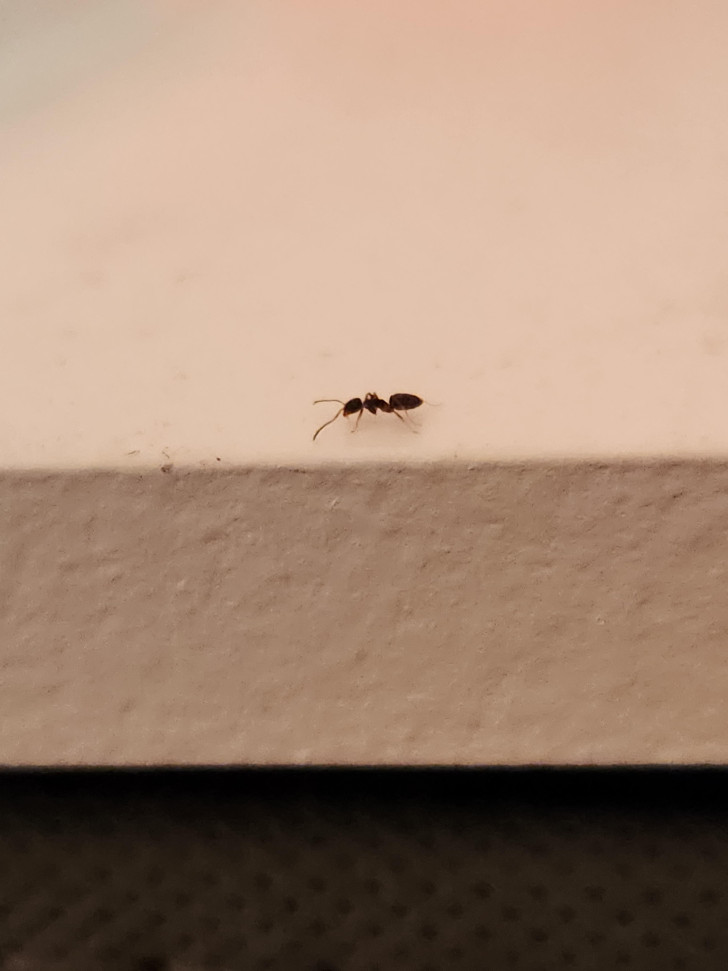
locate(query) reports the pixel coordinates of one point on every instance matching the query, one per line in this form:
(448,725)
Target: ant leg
(327,422)
(358,419)
(410,424)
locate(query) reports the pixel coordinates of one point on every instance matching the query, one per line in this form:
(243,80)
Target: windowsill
(214,215)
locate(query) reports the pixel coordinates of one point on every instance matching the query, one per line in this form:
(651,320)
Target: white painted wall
(214,213)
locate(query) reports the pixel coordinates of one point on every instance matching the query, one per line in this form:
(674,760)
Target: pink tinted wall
(216,213)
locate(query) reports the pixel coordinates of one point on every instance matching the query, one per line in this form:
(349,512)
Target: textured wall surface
(482,614)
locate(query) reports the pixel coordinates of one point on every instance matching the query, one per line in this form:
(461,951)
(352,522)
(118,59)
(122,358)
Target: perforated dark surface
(362,872)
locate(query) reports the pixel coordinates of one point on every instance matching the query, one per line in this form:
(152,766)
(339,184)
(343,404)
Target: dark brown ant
(371,403)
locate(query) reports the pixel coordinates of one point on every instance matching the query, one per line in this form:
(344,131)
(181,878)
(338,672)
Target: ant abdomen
(405,402)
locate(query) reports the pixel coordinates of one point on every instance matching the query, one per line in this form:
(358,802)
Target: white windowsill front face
(213,215)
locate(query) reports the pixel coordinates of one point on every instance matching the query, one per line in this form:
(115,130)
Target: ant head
(352,406)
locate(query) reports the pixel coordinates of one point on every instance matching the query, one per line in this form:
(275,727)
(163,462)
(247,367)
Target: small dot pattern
(210,875)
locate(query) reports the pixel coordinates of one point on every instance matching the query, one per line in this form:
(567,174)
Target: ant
(371,403)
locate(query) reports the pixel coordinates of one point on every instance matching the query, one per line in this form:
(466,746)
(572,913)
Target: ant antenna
(320,401)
